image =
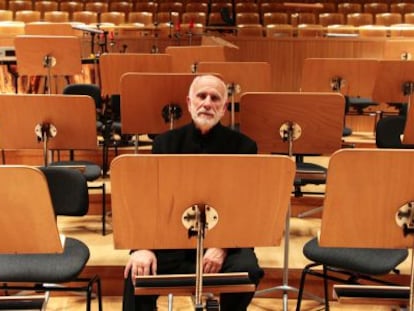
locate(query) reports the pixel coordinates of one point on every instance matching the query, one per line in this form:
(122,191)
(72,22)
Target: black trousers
(184,262)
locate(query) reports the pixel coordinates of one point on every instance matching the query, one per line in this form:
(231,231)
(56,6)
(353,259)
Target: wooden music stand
(27,206)
(158,195)
(293,123)
(382,210)
(398,49)
(49,29)
(241,77)
(395,83)
(186,58)
(159,105)
(48,56)
(114,65)
(47,122)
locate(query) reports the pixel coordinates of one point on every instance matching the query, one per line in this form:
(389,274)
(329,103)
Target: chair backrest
(349,7)
(243,7)
(359,19)
(46,5)
(68,190)
(115,18)
(402,7)
(171,7)
(98,7)
(269,18)
(145,18)
(250,30)
(56,16)
(121,6)
(326,19)
(6,15)
(375,7)
(70,7)
(87,17)
(372,31)
(194,17)
(388,19)
(196,7)
(279,30)
(28,16)
(247,18)
(146,7)
(310,30)
(91,90)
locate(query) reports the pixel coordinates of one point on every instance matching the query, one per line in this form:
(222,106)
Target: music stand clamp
(197,219)
(44,132)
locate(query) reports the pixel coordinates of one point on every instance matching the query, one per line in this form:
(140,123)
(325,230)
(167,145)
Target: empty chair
(194,17)
(192,28)
(326,19)
(168,17)
(6,15)
(115,18)
(121,6)
(196,7)
(329,7)
(409,18)
(402,30)
(20,5)
(98,7)
(310,30)
(375,7)
(271,7)
(70,7)
(56,16)
(372,31)
(146,7)
(249,30)
(86,17)
(45,5)
(269,18)
(246,7)
(303,18)
(279,30)
(28,16)
(402,7)
(341,29)
(145,18)
(216,19)
(359,19)
(388,19)
(171,7)
(247,18)
(349,7)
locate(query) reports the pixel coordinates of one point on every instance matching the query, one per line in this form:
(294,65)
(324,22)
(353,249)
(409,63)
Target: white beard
(205,122)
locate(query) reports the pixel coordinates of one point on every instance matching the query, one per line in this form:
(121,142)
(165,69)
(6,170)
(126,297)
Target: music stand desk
(114,65)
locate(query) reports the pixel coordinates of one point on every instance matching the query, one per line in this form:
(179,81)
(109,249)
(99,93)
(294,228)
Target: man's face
(207,102)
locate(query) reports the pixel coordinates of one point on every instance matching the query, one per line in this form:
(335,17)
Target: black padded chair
(92,171)
(55,272)
(348,265)
(388,132)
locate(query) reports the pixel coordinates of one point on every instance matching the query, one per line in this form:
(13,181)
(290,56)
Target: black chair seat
(355,259)
(91,171)
(44,268)
(310,173)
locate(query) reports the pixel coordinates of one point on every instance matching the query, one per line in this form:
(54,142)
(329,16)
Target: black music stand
(384,217)
(293,123)
(47,122)
(48,56)
(163,197)
(398,79)
(241,77)
(158,106)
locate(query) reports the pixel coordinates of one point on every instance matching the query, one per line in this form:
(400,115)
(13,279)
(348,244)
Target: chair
(70,7)
(63,192)
(247,18)
(246,7)
(250,30)
(269,18)
(121,6)
(45,5)
(303,18)
(279,30)
(402,30)
(171,6)
(197,7)
(329,7)
(173,18)
(6,15)
(20,5)
(86,17)
(375,7)
(216,19)
(92,171)
(388,132)
(359,19)
(348,264)
(271,7)
(409,18)
(98,7)
(194,17)
(341,29)
(388,19)
(372,31)
(349,7)
(402,8)
(145,18)
(310,30)
(326,19)
(56,16)
(146,7)
(113,17)
(28,16)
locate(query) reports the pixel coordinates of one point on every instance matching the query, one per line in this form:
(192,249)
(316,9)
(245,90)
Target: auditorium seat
(45,5)
(250,30)
(56,16)
(349,7)
(326,19)
(303,18)
(387,19)
(402,30)
(402,7)
(146,7)
(218,6)
(372,31)
(278,30)
(194,17)
(145,18)
(247,18)
(269,18)
(20,5)
(191,28)
(359,19)
(409,18)
(121,6)
(70,7)
(196,7)
(375,7)
(98,7)
(86,17)
(28,16)
(329,7)
(310,30)
(215,19)
(115,18)
(171,6)
(6,15)
(246,7)
(341,29)
(271,7)
(168,17)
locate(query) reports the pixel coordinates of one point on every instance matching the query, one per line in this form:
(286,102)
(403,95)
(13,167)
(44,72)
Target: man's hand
(213,260)
(141,262)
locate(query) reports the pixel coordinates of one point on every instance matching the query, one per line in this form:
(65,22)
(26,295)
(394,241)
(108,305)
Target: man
(207,103)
